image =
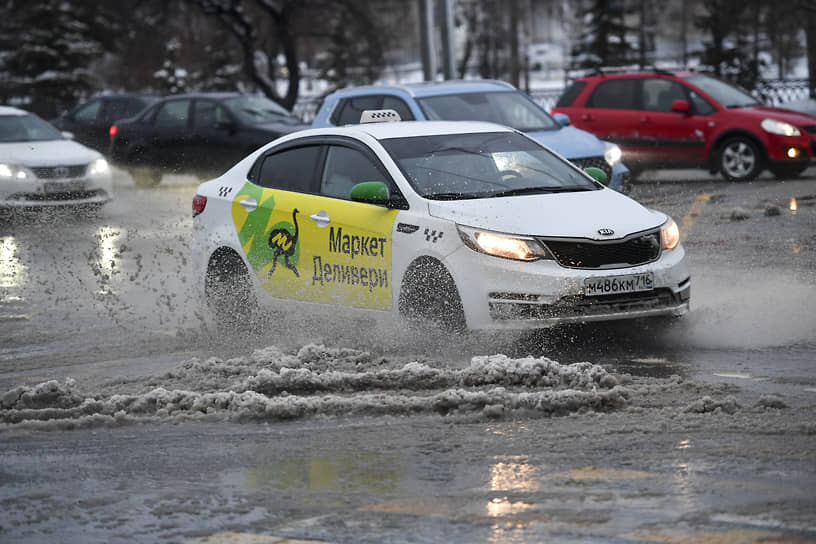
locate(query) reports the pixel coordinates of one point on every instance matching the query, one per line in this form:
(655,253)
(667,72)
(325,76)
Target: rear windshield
(26,128)
(510,108)
(256,110)
(483,165)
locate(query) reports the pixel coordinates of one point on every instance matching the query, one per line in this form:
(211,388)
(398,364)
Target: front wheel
(429,298)
(740,159)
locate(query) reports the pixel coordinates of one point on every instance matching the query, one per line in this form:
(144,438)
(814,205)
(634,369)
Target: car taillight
(199,203)
(112,131)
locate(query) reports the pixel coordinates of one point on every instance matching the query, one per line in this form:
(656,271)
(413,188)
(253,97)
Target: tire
(740,159)
(145,177)
(230,298)
(788,171)
(429,299)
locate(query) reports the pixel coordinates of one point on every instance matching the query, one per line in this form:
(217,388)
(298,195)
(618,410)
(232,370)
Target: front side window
(346,167)
(483,165)
(510,108)
(26,128)
(208,114)
(290,169)
(616,94)
(173,114)
(659,94)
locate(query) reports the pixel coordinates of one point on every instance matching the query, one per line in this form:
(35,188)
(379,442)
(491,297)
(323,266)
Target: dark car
(90,121)
(203,134)
(664,119)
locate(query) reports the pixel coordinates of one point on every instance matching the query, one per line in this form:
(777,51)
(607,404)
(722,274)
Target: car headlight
(13,171)
(778,127)
(669,234)
(99,166)
(612,153)
(518,248)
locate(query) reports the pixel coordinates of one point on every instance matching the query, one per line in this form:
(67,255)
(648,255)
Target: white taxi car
(462,224)
(40,167)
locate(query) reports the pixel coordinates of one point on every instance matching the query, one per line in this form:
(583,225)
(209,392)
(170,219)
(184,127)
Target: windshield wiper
(453,196)
(540,190)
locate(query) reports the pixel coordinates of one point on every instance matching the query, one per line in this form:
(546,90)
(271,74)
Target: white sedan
(460,224)
(40,167)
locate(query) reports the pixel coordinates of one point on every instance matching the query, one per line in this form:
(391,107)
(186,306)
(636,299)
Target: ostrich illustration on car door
(316,247)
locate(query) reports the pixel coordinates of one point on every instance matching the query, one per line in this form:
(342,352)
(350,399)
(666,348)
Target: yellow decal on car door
(315,248)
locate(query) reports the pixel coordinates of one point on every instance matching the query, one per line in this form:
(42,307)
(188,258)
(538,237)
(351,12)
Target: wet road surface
(125,418)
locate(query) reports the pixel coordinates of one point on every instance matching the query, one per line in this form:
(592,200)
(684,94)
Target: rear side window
(570,94)
(291,169)
(349,110)
(616,94)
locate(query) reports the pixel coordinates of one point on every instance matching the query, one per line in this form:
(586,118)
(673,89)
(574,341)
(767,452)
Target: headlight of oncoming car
(519,248)
(12,171)
(612,153)
(97,167)
(778,127)
(670,234)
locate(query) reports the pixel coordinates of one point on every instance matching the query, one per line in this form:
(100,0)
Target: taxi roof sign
(379,116)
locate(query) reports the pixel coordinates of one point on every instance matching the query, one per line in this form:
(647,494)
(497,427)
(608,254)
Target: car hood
(569,215)
(570,142)
(48,153)
(780,114)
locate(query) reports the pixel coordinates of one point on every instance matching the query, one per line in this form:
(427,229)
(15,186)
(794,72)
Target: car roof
(640,73)
(431,88)
(403,129)
(215,95)
(8,110)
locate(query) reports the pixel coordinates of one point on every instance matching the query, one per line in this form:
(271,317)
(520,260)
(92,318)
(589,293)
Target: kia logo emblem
(60,172)
(606,232)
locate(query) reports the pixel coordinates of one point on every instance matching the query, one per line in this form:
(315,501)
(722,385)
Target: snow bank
(270,385)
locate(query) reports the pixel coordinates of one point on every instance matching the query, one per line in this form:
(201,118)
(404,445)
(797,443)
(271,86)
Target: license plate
(613,285)
(66,187)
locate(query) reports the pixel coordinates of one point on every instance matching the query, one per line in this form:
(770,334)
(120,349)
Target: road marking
(693,213)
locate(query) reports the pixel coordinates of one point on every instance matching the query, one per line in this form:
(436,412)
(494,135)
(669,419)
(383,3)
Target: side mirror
(67,135)
(562,118)
(597,174)
(371,192)
(681,106)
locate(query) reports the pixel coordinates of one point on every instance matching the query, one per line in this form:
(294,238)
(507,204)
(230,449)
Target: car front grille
(506,308)
(593,254)
(60,172)
(597,162)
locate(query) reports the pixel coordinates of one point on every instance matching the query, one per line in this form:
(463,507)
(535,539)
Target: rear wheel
(230,298)
(740,159)
(429,299)
(145,177)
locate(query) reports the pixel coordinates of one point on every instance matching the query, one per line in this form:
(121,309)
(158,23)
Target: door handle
(321,218)
(645,119)
(249,204)
(586,117)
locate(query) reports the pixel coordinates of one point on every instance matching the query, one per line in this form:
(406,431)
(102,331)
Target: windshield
(510,108)
(483,165)
(727,95)
(26,128)
(256,110)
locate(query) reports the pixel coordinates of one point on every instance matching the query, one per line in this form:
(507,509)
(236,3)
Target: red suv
(686,119)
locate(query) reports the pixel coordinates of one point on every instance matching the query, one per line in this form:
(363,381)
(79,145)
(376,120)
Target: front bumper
(507,294)
(40,193)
